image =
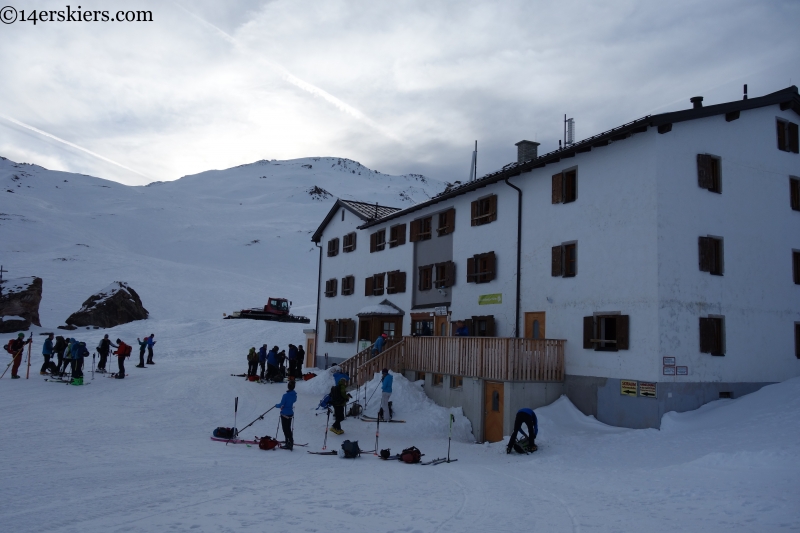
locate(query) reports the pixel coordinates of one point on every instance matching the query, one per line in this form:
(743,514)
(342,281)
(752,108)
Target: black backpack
(225,433)
(351,449)
(355,410)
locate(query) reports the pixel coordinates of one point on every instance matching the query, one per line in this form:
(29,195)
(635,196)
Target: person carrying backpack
(272,363)
(286,406)
(386,393)
(123,351)
(15,347)
(528,417)
(262,360)
(59,348)
(301,357)
(47,353)
(103,349)
(142,348)
(339,397)
(252,363)
(78,352)
(292,360)
(150,344)
(379,344)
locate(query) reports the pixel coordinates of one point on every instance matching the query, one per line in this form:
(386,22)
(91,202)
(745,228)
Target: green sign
(490,299)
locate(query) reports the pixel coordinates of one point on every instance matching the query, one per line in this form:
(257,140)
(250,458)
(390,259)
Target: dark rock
(19,304)
(116,304)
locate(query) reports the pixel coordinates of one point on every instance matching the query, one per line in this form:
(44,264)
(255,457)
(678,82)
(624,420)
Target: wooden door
(493,408)
(309,362)
(534,325)
(440,326)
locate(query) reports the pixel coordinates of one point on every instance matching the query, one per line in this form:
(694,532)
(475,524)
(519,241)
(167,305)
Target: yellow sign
(647,390)
(490,299)
(627,387)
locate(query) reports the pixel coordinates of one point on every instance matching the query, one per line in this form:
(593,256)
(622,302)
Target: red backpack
(8,347)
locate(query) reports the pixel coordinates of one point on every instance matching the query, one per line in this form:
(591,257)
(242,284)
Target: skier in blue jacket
(286,406)
(262,360)
(528,417)
(386,393)
(378,345)
(272,362)
(47,352)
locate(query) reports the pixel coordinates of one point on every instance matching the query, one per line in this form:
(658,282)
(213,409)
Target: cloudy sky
(404,86)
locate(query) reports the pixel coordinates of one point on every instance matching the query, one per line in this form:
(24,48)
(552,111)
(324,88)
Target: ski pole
(8,366)
(235,432)
(450,436)
(325,442)
(30,344)
(371,395)
(257,419)
(278,427)
(377,433)
(93,365)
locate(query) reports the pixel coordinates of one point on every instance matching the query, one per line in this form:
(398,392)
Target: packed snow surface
(135,454)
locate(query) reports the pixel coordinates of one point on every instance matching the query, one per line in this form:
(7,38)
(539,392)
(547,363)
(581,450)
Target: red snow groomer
(277,309)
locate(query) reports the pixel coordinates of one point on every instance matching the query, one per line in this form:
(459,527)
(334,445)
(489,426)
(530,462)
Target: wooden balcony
(489,358)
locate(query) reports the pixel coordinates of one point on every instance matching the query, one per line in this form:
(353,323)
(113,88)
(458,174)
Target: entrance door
(440,326)
(534,325)
(309,362)
(493,408)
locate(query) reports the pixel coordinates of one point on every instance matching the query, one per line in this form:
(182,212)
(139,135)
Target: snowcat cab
(277,306)
(277,309)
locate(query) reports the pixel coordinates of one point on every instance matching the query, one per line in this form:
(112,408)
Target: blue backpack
(325,402)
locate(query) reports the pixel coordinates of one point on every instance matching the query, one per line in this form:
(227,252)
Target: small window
(333,247)
(712,335)
(481,268)
(787,136)
(447,222)
(425,277)
(606,332)
(483,326)
(794,193)
(445,275)
(345,330)
(710,253)
(709,173)
(422,328)
(565,187)
(438,380)
(349,242)
(484,210)
(395,282)
(377,284)
(331,327)
(496,401)
(456,382)
(419,376)
(421,229)
(397,235)
(564,262)
(348,285)
(389,327)
(377,241)
(796,266)
(331,287)
(797,339)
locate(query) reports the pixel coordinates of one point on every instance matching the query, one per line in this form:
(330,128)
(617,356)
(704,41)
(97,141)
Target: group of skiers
(70,352)
(273,363)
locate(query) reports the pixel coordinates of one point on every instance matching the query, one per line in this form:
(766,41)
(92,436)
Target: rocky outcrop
(116,304)
(19,304)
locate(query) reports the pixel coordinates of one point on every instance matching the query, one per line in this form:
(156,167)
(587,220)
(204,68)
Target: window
(419,376)
(456,382)
(438,379)
(422,328)
(447,222)
(794,193)
(564,262)
(425,277)
(397,235)
(330,288)
(565,186)
(445,274)
(787,136)
(333,247)
(709,174)
(342,330)
(797,339)
(483,326)
(349,242)
(373,285)
(712,335)
(395,282)
(710,252)
(421,229)
(348,285)
(796,266)
(481,268)
(484,210)
(390,328)
(606,332)
(377,241)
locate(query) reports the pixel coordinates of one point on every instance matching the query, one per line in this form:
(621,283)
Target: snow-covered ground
(135,455)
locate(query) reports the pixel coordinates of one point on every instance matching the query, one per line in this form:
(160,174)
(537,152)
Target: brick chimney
(527,150)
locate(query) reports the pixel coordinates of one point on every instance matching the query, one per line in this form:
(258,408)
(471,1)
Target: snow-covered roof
(384,308)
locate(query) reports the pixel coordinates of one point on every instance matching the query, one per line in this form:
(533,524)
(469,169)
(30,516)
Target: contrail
(59,139)
(297,82)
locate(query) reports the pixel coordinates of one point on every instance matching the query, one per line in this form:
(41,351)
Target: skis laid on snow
(295,444)
(62,381)
(439,461)
(235,441)
(332,452)
(373,419)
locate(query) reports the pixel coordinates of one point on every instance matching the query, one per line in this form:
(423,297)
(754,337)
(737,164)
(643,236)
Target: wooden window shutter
(401,234)
(400,281)
(794,142)
(451,220)
(449,274)
(556,263)
(492,262)
(794,193)
(705,175)
(588,332)
(415,224)
(350,330)
(420,276)
(707,335)
(335,286)
(490,331)
(705,251)
(797,340)
(474,212)
(368,286)
(470,269)
(558,188)
(493,207)
(782,136)
(373,242)
(623,322)
(796,267)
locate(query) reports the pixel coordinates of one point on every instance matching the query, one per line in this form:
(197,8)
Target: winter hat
(384,335)
(291,385)
(385,371)
(21,335)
